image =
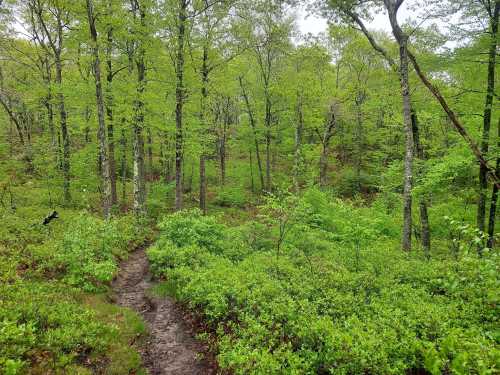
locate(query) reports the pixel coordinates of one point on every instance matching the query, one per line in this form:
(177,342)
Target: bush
(48,329)
(340,300)
(191,227)
(87,254)
(231,197)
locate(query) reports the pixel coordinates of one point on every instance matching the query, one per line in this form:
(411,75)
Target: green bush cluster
(87,253)
(341,299)
(231,197)
(46,324)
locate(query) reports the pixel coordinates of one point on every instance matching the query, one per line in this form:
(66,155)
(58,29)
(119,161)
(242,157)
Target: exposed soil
(170,347)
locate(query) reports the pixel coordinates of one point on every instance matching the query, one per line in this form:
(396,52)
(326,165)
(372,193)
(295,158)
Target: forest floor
(170,347)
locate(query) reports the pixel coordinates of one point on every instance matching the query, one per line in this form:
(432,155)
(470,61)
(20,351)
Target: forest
(217,187)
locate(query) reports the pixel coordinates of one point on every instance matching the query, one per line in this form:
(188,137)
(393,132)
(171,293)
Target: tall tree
(139,14)
(325,137)
(53,18)
(269,40)
(182,14)
(493,13)
(253,125)
(103,151)
(109,101)
(349,10)
(392,7)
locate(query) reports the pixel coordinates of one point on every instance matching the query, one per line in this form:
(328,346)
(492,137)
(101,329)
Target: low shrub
(50,329)
(231,197)
(342,299)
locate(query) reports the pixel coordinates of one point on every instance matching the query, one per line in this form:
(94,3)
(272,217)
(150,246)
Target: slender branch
(456,122)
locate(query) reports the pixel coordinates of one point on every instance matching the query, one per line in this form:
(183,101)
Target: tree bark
(150,153)
(483,172)
(424,217)
(252,184)
(254,130)
(109,110)
(123,143)
(48,105)
(402,39)
(268,140)
(204,95)
(66,166)
(299,129)
(408,160)
(14,119)
(103,154)
(360,98)
(203,185)
(226,121)
(325,138)
(87,116)
(56,44)
(138,143)
(494,201)
(179,102)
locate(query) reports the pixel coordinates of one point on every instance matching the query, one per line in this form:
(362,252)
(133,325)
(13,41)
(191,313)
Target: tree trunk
(66,167)
(323,166)
(87,115)
(123,143)
(48,106)
(138,144)
(204,95)
(483,172)
(15,120)
(150,153)
(139,188)
(56,44)
(424,217)
(222,146)
(254,130)
(299,128)
(408,160)
(109,112)
(268,141)
(179,103)
(103,155)
(203,185)
(359,137)
(402,39)
(494,200)
(252,184)
(331,123)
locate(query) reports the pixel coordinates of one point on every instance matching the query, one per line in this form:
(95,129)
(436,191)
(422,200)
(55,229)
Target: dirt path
(170,348)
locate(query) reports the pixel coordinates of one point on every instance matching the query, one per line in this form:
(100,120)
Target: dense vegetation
(320,204)
(337,297)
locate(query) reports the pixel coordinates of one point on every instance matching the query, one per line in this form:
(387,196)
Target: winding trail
(170,348)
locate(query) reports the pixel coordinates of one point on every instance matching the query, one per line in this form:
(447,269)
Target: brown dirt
(170,347)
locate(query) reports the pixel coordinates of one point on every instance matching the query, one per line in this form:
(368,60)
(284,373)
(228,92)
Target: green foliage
(46,324)
(191,227)
(48,327)
(87,254)
(231,197)
(342,299)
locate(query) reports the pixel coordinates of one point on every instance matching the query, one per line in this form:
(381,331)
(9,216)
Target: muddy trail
(170,347)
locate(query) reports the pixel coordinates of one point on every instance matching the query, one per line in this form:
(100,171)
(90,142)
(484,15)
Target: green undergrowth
(315,285)
(55,317)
